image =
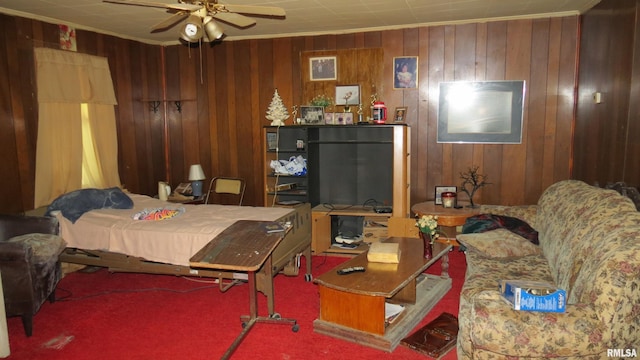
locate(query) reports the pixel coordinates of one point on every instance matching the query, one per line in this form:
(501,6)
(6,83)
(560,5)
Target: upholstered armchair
(29,265)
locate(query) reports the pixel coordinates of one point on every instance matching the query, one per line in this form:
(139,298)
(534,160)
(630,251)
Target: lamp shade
(196,173)
(213,30)
(192,30)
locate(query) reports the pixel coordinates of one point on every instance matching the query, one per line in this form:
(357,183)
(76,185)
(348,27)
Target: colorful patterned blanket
(158,214)
(486,222)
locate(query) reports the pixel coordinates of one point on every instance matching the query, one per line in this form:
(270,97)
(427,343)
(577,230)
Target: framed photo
(338,118)
(347,95)
(401,114)
(405,72)
(443,189)
(323,68)
(312,115)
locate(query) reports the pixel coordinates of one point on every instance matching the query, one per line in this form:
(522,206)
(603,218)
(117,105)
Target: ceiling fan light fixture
(192,30)
(213,29)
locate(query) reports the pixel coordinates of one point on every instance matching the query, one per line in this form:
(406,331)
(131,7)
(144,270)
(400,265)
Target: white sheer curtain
(74,88)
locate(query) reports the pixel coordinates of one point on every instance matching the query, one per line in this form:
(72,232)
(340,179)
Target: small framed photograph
(312,115)
(401,113)
(443,189)
(338,118)
(323,68)
(330,118)
(405,72)
(347,95)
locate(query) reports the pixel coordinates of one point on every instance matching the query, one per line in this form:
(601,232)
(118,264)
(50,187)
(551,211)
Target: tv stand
(346,164)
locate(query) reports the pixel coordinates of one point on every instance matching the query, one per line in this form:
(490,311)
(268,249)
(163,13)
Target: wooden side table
(446,216)
(450,218)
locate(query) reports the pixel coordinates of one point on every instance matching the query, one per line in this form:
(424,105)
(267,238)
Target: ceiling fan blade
(238,20)
(182,7)
(255,10)
(169,22)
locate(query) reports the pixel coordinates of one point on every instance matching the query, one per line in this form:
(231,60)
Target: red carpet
(106,315)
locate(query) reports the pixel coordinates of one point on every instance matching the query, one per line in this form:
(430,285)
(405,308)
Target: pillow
(74,204)
(499,243)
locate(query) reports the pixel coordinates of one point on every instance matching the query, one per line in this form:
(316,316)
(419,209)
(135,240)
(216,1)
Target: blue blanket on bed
(73,204)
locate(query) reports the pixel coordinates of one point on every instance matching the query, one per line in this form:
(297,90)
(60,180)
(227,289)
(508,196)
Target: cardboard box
(533,296)
(384,252)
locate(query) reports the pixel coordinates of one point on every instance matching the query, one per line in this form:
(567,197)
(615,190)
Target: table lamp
(196,175)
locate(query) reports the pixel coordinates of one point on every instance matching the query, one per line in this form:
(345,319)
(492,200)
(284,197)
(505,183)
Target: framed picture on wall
(347,94)
(481,112)
(323,68)
(405,72)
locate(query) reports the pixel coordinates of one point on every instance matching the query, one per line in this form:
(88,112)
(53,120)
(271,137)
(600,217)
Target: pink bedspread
(171,241)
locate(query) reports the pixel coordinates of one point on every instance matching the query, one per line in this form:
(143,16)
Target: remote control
(350,270)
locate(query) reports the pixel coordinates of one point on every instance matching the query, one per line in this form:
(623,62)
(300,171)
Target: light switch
(597,97)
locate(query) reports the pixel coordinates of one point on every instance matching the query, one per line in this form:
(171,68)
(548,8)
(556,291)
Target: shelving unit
(282,143)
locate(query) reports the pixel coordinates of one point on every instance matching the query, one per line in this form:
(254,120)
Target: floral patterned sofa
(589,245)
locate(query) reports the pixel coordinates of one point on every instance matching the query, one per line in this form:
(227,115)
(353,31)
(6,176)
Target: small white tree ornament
(277,112)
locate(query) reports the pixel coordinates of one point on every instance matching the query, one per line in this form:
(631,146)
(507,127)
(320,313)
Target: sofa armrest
(13,251)
(497,328)
(14,225)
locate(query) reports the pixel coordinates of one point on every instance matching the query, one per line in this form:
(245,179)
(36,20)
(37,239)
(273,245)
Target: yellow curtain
(65,81)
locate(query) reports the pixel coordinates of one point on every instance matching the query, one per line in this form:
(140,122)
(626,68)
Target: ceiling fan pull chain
(201,75)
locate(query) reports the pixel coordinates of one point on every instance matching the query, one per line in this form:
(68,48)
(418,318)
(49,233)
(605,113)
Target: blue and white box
(533,296)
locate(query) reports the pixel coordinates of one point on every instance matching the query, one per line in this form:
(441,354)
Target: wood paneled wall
(354,67)
(225,89)
(607,141)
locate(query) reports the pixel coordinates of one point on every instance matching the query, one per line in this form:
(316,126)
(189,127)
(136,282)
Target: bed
(111,238)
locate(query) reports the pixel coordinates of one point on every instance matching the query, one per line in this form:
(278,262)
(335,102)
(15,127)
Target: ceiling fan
(200,15)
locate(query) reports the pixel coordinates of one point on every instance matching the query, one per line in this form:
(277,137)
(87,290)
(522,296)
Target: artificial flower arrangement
(428,224)
(322,100)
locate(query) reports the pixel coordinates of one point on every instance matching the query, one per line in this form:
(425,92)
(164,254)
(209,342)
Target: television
(351,165)
(481,112)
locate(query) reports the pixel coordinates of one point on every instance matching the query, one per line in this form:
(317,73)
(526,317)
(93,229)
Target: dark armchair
(29,264)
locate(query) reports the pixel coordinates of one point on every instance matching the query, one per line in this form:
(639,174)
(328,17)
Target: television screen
(481,112)
(351,164)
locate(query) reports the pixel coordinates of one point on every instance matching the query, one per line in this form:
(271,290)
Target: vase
(427,245)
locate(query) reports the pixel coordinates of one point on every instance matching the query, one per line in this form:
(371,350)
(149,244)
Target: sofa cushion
(44,246)
(497,328)
(499,243)
(485,273)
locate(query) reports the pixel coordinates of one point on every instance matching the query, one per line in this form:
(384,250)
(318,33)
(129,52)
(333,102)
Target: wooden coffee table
(352,307)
